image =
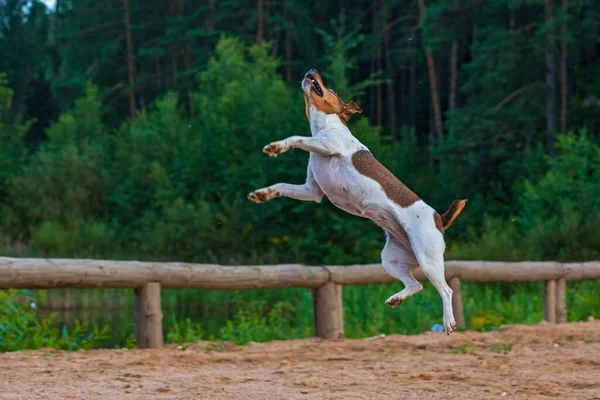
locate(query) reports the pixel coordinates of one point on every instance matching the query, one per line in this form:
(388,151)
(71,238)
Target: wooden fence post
(561,300)
(550,301)
(328,311)
(148,317)
(457,304)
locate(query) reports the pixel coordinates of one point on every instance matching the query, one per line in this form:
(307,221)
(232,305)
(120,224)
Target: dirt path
(520,362)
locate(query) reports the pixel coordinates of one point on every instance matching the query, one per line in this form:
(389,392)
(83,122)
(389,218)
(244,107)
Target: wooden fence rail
(147,278)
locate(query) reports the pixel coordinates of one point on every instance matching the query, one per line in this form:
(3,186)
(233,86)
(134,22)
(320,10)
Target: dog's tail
(453,212)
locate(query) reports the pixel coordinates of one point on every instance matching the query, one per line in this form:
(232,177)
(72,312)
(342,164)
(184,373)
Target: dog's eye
(331,90)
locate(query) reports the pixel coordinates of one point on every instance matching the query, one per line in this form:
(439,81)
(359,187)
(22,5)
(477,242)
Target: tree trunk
(391,99)
(187,63)
(453,76)
(372,92)
(177,10)
(403,94)
(274,39)
(174,50)
(56,58)
(130,59)
(412,90)
(373,88)
(433,86)
(431,139)
(550,75)
(260,10)
(158,73)
(288,44)
(474,41)
(210,16)
(511,21)
(379,113)
(563,69)
(378,30)
(174,65)
(190,93)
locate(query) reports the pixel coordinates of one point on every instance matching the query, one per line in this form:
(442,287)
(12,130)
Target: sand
(517,362)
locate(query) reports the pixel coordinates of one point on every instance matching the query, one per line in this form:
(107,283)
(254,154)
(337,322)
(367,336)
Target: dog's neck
(319,120)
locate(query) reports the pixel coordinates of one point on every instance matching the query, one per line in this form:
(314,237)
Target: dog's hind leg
(399,262)
(430,255)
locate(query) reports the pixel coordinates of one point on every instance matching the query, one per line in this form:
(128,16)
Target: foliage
(13,150)
(485,320)
(559,212)
(338,49)
(61,190)
(582,305)
(79,177)
(22,328)
(259,325)
(164,186)
(185,332)
(260,315)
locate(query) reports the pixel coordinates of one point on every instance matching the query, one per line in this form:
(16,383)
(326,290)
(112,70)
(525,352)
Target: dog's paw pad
(394,301)
(257,197)
(262,195)
(450,327)
(273,149)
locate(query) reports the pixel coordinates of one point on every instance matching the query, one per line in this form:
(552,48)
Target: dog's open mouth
(316,87)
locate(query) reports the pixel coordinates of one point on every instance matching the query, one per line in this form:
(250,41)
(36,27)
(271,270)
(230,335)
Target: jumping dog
(343,169)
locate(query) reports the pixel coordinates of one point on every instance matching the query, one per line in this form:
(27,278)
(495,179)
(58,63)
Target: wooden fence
(147,278)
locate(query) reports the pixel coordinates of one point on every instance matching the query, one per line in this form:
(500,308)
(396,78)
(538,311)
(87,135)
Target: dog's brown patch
(367,165)
(438,222)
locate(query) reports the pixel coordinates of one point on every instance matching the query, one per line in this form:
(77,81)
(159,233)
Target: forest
(133,129)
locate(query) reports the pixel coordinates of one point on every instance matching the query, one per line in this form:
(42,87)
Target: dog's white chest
(335,177)
(343,185)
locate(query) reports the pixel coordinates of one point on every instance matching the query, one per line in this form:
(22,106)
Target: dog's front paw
(262,195)
(275,148)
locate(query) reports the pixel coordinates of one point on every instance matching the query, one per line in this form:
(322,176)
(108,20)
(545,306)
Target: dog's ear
(352,108)
(349,109)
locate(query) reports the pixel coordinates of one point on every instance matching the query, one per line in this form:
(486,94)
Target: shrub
(22,328)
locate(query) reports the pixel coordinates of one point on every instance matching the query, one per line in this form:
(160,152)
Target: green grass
(504,348)
(464,348)
(279,314)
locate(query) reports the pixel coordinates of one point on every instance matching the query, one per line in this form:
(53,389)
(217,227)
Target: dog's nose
(311,72)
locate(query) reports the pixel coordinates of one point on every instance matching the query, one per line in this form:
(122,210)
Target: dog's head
(325,100)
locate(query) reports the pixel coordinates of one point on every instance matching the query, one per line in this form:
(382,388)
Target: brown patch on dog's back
(367,165)
(438,222)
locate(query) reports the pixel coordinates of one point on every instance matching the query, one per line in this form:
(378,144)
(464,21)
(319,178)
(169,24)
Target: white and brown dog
(344,170)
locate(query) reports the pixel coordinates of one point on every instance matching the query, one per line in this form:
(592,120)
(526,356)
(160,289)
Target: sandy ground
(520,362)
